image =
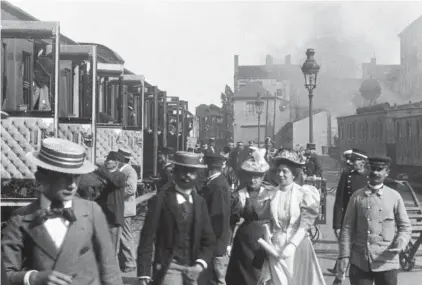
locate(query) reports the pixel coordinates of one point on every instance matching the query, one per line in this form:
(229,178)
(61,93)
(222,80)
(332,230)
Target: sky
(187,47)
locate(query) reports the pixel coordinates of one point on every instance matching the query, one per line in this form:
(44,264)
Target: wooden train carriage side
(30,97)
(408,137)
(372,128)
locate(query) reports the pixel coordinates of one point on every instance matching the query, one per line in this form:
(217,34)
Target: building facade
(210,124)
(411,60)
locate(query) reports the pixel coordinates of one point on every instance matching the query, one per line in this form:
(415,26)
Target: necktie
(57,210)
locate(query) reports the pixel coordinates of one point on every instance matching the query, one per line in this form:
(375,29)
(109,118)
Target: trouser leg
(386,277)
(127,252)
(115,233)
(220,269)
(359,277)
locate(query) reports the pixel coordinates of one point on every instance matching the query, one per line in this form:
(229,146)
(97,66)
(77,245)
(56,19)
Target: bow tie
(65,213)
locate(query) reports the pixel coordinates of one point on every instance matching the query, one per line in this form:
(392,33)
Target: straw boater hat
(125,153)
(61,156)
(257,164)
(288,157)
(188,159)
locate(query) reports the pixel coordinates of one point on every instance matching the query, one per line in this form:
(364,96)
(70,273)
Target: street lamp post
(310,70)
(259,104)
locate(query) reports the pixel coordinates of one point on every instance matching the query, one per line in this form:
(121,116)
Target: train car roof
(107,53)
(24,16)
(383,110)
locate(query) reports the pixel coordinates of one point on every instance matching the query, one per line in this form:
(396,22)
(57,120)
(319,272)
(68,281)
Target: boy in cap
(216,193)
(356,177)
(59,239)
(178,226)
(376,228)
(127,255)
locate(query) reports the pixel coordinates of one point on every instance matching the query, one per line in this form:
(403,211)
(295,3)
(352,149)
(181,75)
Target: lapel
(197,218)
(69,249)
(173,206)
(37,231)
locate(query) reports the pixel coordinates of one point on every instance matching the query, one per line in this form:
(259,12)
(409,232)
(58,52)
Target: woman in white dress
(290,259)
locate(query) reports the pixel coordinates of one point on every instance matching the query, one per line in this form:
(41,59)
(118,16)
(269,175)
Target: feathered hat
(288,157)
(256,164)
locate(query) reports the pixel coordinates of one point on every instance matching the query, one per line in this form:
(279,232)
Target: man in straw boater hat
(376,228)
(127,256)
(217,195)
(59,239)
(350,180)
(179,227)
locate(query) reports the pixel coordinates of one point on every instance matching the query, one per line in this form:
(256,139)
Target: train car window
(26,79)
(3,71)
(66,94)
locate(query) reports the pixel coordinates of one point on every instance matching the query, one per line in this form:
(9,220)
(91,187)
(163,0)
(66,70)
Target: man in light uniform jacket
(127,254)
(376,228)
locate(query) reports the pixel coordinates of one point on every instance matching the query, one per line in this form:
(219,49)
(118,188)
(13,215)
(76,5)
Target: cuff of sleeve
(144,277)
(26,277)
(202,263)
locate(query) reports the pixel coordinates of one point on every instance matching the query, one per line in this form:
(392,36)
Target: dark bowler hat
(214,159)
(311,146)
(125,153)
(359,154)
(239,143)
(115,156)
(188,159)
(61,156)
(379,161)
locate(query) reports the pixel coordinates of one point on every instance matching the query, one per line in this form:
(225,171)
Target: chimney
(269,60)
(374,61)
(236,63)
(288,59)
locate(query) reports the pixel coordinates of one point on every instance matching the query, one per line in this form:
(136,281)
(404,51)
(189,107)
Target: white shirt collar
(45,202)
(215,175)
(124,166)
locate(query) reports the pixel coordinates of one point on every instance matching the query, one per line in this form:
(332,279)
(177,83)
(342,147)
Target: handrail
(28,29)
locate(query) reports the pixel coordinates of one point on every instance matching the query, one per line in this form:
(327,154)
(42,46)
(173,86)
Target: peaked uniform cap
(62,156)
(379,161)
(188,159)
(359,154)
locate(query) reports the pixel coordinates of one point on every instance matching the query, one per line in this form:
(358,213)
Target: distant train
(395,131)
(53,86)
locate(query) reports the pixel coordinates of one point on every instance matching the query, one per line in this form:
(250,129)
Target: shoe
(332,271)
(128,269)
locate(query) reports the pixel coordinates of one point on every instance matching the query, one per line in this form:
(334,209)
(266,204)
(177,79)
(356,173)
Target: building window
(398,134)
(250,108)
(3,72)
(409,130)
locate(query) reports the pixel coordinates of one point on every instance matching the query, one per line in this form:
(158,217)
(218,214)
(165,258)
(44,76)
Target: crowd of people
(237,217)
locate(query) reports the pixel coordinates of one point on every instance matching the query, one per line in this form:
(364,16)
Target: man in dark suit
(312,166)
(179,227)
(59,239)
(112,196)
(211,147)
(217,196)
(356,177)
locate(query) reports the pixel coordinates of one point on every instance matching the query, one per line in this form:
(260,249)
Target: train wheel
(406,262)
(314,234)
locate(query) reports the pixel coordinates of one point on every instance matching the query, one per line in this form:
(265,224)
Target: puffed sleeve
(309,211)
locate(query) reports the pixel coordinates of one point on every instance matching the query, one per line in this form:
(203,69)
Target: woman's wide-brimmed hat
(289,157)
(62,156)
(256,164)
(188,159)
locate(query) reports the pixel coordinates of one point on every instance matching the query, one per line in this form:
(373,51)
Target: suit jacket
(161,224)
(131,185)
(349,182)
(86,253)
(313,166)
(111,198)
(217,195)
